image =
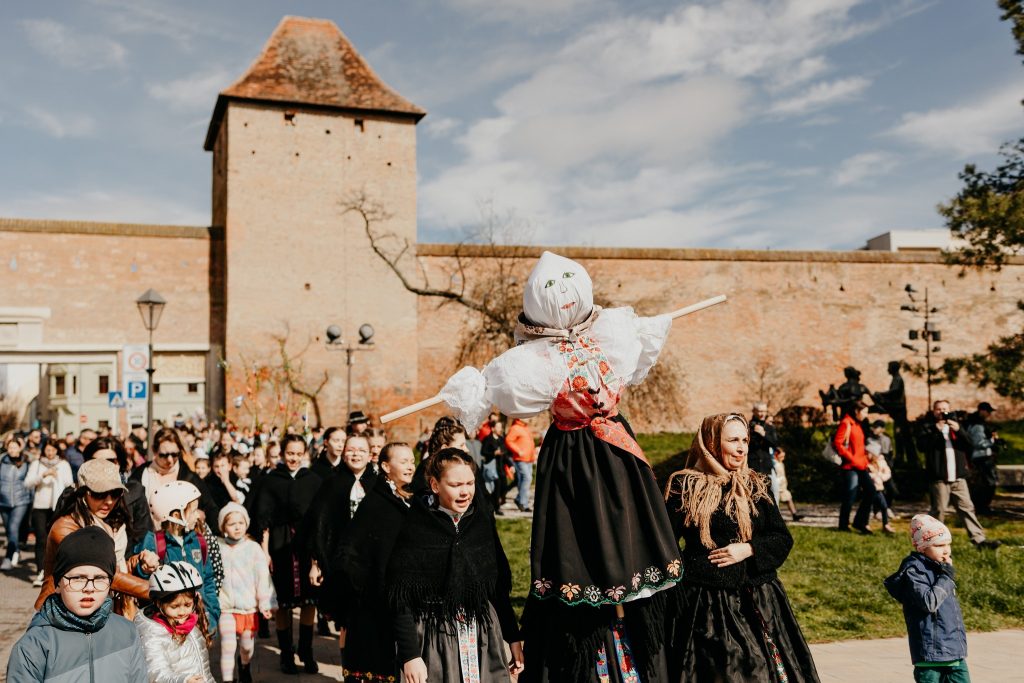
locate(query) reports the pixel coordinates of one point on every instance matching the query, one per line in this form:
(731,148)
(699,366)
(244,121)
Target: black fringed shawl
(438,573)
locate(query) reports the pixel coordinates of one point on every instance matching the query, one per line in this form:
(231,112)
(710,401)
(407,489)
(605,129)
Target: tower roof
(311,62)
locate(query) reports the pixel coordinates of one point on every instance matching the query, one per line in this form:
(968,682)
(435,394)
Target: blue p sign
(137,389)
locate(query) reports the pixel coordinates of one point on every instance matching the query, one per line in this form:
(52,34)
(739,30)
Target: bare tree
(290,372)
(277,384)
(486,275)
(767,382)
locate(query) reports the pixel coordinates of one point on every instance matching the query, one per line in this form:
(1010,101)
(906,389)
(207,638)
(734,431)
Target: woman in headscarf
(734,621)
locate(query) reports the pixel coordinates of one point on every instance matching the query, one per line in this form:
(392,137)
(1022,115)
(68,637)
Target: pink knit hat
(926,531)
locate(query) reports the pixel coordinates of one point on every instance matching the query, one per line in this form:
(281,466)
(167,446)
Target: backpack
(161,545)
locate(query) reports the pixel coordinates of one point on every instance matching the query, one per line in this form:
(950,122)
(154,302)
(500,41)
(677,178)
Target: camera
(949,416)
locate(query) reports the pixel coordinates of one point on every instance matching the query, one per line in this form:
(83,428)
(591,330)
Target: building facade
(307,137)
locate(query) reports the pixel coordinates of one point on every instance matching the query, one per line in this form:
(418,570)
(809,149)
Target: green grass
(1012,432)
(834,580)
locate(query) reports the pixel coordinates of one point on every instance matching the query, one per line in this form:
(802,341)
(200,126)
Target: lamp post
(336,342)
(151,307)
(930,333)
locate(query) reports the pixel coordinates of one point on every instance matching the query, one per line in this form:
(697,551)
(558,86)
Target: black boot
(284,641)
(245,672)
(263,631)
(305,650)
(323,627)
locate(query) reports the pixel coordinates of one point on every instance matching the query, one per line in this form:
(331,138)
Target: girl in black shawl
(285,495)
(449,583)
(734,622)
(359,566)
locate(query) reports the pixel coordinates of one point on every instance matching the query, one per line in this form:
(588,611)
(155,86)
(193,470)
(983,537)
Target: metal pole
(348,361)
(149,399)
(928,346)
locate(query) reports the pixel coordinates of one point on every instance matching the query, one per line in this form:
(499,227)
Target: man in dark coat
(764,439)
(945,446)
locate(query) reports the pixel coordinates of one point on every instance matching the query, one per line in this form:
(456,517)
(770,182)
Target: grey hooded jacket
(110,655)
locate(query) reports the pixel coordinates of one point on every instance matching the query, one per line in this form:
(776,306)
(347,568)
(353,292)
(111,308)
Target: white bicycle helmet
(174,577)
(170,498)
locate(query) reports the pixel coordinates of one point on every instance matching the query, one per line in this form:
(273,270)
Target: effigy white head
(558,293)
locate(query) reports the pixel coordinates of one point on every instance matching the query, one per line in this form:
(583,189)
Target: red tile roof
(311,62)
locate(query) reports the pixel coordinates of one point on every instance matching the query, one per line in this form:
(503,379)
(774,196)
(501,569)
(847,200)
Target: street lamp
(151,307)
(336,342)
(928,334)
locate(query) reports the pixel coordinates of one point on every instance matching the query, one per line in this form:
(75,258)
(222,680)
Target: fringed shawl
(699,488)
(443,574)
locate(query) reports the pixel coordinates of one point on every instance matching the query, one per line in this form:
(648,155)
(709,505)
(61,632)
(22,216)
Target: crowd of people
(149,551)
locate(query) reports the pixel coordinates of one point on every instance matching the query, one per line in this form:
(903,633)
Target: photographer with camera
(985,445)
(945,446)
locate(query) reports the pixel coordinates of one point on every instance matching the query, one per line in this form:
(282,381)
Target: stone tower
(308,125)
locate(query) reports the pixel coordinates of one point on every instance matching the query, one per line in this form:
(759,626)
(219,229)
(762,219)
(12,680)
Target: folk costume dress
(601,535)
(732,623)
(449,585)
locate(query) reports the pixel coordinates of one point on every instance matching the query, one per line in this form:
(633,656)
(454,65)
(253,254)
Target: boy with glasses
(75,635)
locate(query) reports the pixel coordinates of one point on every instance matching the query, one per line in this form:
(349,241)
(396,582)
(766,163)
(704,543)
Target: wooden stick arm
(409,410)
(700,306)
(434,400)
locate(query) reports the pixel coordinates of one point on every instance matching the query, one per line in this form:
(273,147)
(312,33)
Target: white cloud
(118,205)
(172,21)
(966,129)
(820,96)
(615,127)
(860,167)
(442,127)
(196,91)
(64,125)
(71,49)
(520,10)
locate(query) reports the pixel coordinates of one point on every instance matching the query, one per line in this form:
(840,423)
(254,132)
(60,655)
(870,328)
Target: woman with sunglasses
(99,501)
(111,448)
(168,465)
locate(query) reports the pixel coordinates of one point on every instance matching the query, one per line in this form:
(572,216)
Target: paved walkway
(878,661)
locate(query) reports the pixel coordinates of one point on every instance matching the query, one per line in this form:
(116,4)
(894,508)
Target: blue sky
(798,124)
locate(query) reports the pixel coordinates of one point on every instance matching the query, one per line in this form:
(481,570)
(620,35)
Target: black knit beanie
(90,546)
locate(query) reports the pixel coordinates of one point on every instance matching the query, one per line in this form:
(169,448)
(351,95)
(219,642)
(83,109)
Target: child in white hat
(247,589)
(925,586)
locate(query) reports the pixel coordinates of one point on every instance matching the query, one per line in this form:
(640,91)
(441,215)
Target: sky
(755,124)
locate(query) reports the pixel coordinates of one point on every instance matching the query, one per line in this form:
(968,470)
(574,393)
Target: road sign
(137,389)
(115,399)
(136,358)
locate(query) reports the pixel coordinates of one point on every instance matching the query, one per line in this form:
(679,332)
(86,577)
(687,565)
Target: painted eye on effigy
(567,275)
(548,283)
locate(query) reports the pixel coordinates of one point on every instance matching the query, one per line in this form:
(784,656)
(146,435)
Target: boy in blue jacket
(176,506)
(74,636)
(925,586)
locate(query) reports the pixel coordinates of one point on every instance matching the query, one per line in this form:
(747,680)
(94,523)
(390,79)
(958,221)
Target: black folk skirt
(741,634)
(601,537)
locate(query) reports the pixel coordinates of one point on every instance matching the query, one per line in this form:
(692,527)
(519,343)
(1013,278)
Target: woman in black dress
(449,583)
(359,565)
(285,495)
(733,619)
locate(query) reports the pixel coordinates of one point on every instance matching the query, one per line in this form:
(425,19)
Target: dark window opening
(193,387)
(74,385)
(156,388)
(289,117)
(58,385)
(104,383)
(360,125)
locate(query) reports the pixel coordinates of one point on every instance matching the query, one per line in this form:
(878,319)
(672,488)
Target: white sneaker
(15,558)
(38,582)
(6,564)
